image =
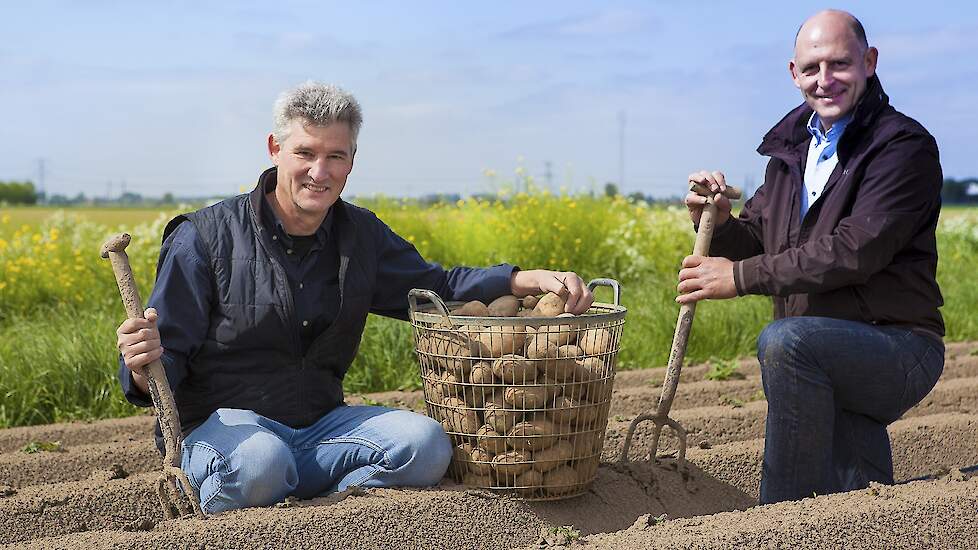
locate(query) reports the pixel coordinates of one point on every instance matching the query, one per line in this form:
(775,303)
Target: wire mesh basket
(524,399)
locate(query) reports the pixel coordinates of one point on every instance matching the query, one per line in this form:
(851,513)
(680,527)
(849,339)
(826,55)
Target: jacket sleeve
(895,198)
(182,296)
(740,237)
(400,268)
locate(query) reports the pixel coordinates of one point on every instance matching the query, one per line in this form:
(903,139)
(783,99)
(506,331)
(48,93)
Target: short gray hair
(318,104)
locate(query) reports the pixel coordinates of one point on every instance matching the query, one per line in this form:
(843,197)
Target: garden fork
(173,487)
(683,326)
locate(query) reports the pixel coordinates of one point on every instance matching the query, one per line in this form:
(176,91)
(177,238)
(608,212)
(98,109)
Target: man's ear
(871,57)
(793,69)
(273,148)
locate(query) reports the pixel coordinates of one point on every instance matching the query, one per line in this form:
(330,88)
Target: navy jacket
(249,352)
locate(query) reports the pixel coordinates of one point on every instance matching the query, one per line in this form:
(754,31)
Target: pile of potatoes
(525,404)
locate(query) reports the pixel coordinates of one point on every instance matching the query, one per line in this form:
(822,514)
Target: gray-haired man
(261,301)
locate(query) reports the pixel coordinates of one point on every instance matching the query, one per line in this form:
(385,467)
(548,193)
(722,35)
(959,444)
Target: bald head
(834,17)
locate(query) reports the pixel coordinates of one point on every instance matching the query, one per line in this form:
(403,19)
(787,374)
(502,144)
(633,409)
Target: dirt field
(98,492)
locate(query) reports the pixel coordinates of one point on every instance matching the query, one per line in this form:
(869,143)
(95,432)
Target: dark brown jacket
(866,250)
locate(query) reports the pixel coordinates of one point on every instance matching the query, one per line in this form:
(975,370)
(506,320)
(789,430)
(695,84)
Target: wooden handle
(159,388)
(730,192)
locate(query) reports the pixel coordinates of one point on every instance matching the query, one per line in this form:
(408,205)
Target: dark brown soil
(98,491)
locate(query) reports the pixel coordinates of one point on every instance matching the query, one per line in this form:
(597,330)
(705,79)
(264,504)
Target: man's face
(313,164)
(830,67)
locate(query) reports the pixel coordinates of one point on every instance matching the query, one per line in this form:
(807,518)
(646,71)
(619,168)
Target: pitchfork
(173,487)
(683,326)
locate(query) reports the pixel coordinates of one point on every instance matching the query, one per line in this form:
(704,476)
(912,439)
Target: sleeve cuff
(129,389)
(498,280)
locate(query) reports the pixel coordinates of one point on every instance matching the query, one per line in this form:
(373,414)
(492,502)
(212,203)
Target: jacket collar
(792,130)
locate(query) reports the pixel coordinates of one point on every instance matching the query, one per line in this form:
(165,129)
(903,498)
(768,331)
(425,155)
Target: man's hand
(706,278)
(538,281)
(139,343)
(715,182)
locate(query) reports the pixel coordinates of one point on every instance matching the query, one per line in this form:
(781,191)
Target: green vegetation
(723,370)
(59,306)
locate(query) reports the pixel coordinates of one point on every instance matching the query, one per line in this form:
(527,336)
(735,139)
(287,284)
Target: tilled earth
(97,491)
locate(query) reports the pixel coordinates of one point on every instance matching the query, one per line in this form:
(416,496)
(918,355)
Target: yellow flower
(3,285)
(5,219)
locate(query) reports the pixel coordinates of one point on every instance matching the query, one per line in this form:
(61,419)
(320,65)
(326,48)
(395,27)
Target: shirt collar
(272,222)
(815,128)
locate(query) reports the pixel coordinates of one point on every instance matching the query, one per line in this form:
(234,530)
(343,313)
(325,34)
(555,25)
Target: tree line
(18,192)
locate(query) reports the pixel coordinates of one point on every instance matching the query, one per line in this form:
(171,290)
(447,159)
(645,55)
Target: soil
(97,491)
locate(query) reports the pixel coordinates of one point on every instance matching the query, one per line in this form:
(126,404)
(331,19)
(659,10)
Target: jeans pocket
(922,377)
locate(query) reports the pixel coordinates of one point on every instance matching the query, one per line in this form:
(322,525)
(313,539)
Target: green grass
(59,306)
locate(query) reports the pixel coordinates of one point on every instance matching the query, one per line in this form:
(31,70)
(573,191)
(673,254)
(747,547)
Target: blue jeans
(832,387)
(238,459)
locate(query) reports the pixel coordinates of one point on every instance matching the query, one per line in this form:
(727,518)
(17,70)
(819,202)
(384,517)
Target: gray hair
(318,104)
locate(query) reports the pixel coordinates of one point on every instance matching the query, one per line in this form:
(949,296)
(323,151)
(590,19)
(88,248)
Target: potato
(551,305)
(459,417)
(564,410)
(532,435)
(529,397)
(561,481)
(503,340)
(528,482)
(530,302)
(475,308)
(586,469)
(504,306)
(454,350)
(476,480)
(559,335)
(542,352)
(481,373)
(511,464)
(481,461)
(556,455)
(595,341)
(491,440)
(514,369)
(586,444)
(497,415)
(564,367)
(433,389)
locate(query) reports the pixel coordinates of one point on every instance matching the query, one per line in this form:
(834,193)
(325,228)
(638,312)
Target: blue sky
(176,96)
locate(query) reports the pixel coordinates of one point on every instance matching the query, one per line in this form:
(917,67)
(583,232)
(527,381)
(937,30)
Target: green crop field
(59,306)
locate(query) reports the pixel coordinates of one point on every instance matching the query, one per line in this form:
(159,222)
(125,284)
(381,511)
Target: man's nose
(825,76)
(317,171)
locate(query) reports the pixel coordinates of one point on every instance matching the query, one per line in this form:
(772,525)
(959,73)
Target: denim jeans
(832,387)
(238,459)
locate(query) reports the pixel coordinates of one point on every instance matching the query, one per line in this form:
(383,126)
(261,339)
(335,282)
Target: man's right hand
(139,343)
(715,182)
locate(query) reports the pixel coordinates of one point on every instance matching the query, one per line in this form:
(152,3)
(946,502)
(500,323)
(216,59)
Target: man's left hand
(538,281)
(703,278)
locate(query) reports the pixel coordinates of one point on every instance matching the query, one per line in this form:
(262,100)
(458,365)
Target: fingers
(691,261)
(579,298)
(715,181)
(139,341)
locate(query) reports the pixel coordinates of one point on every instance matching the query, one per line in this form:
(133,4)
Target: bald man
(842,237)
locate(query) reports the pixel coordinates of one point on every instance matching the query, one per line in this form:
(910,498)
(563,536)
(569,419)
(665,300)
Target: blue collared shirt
(822,158)
(183,293)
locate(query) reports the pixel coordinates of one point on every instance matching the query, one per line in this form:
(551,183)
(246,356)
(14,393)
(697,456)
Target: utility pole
(40,177)
(621,151)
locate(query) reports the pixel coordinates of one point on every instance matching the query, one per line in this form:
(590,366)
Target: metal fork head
(659,422)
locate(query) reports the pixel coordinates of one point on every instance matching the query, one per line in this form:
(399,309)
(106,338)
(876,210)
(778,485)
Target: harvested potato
(454,350)
(503,340)
(551,305)
(475,308)
(564,367)
(532,435)
(491,440)
(530,397)
(554,456)
(586,444)
(561,334)
(595,341)
(586,469)
(459,417)
(564,410)
(476,480)
(530,302)
(514,369)
(511,464)
(542,352)
(482,373)
(504,306)
(433,389)
(497,415)
(561,481)
(481,461)
(528,482)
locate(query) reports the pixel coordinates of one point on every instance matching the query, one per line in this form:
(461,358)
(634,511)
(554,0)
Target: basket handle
(429,295)
(607,282)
